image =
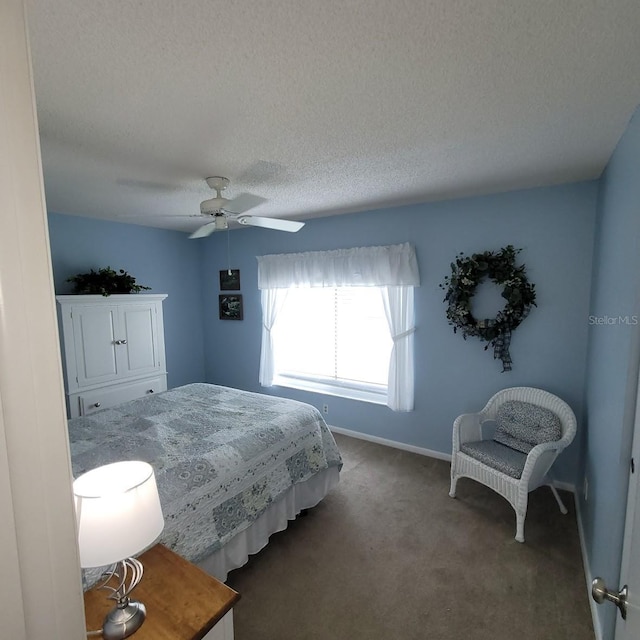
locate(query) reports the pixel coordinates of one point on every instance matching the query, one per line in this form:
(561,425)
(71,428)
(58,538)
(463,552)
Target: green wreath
(519,293)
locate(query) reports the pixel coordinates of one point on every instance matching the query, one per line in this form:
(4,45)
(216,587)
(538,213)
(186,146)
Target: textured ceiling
(324,107)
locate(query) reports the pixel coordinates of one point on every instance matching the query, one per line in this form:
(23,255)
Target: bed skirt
(303,495)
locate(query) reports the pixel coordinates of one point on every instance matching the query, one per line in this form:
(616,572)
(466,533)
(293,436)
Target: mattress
(231,466)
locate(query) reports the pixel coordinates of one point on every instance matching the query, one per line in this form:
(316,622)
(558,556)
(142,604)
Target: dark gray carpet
(389,555)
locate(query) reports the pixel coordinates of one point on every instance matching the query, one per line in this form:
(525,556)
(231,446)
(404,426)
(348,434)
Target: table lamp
(118,515)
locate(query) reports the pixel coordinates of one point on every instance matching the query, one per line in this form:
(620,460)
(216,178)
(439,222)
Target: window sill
(328,389)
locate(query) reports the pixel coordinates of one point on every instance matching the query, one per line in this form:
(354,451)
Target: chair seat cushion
(522,425)
(497,456)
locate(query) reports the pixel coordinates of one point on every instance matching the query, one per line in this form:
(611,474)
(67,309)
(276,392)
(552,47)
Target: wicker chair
(533,467)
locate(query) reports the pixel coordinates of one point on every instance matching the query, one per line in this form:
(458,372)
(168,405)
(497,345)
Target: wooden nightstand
(182,601)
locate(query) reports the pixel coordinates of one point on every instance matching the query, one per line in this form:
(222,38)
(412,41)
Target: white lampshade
(118,512)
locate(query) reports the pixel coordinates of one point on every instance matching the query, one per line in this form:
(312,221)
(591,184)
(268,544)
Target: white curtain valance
(392,265)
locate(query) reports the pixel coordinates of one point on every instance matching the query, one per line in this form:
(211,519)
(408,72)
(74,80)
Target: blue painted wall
(580,246)
(614,354)
(164,260)
(555,228)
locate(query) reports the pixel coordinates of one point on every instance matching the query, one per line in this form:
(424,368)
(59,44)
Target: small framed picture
(230,280)
(230,307)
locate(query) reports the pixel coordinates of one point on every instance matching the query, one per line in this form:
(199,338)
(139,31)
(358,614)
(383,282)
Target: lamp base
(121,622)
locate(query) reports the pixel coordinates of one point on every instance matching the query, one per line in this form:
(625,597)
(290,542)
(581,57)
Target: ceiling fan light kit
(220,210)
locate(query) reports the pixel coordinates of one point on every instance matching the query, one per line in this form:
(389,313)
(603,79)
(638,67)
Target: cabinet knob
(96,404)
(150,391)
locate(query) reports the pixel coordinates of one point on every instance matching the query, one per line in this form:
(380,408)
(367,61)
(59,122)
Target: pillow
(522,425)
(497,456)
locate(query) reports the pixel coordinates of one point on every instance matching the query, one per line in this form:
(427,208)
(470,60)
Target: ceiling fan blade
(243,202)
(271,223)
(204,231)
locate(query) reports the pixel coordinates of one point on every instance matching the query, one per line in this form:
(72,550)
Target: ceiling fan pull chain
(228,253)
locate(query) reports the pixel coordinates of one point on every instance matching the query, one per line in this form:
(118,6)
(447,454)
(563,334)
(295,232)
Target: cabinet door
(139,327)
(94,336)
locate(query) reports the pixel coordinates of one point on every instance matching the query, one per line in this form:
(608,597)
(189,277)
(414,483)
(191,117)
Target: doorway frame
(41,591)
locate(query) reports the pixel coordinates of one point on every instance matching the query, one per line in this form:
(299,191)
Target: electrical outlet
(325,408)
(585,489)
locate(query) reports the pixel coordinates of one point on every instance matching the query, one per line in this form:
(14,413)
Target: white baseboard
(564,486)
(587,571)
(392,443)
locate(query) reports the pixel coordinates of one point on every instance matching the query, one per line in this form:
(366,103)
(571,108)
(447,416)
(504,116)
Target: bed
(232,467)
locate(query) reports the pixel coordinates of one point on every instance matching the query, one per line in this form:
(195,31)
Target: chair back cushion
(522,425)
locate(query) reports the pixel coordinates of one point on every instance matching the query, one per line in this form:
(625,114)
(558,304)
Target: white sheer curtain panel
(394,268)
(272,301)
(398,307)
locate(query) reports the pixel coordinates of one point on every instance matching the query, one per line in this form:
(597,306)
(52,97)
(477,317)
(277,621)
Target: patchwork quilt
(221,456)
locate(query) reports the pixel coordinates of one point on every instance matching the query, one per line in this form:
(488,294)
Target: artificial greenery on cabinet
(104,282)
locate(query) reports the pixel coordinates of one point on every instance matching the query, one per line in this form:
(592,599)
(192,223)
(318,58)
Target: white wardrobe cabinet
(113,349)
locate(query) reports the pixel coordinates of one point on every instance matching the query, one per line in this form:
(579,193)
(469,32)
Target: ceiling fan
(219,210)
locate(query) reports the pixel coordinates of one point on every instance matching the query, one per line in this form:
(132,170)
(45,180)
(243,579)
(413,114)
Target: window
(333,340)
(334,335)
